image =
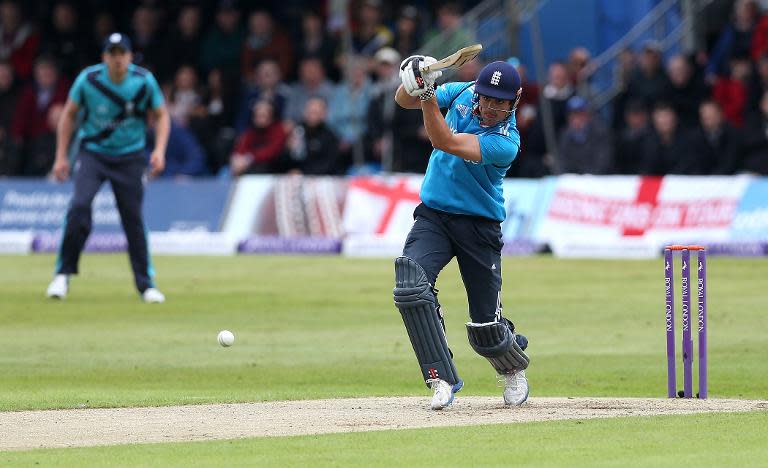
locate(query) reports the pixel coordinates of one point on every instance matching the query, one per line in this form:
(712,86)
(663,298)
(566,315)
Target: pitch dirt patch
(112,426)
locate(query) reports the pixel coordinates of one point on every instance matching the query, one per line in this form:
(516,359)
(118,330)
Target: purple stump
(669,294)
(685,292)
(702,290)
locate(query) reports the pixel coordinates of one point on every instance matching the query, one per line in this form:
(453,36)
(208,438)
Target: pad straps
(497,342)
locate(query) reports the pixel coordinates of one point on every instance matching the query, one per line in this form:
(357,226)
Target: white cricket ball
(226,338)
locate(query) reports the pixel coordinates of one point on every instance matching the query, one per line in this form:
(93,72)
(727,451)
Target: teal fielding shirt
(458,186)
(139,90)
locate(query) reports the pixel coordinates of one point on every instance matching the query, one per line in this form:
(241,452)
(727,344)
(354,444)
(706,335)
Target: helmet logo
(495,78)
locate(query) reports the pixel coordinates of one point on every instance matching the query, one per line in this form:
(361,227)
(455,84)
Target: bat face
(456,59)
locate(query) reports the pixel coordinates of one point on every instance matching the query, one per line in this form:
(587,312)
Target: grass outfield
(710,440)
(321,327)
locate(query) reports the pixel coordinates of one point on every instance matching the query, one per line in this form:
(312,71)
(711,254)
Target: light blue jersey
(114,114)
(458,186)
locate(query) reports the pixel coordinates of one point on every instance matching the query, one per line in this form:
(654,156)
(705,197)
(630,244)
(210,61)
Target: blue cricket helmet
(499,80)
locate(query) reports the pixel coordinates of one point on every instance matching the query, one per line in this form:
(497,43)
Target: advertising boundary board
(569,215)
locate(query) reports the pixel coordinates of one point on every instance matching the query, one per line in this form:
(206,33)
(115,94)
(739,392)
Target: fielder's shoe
(515,388)
(58,287)
(153,296)
(443,392)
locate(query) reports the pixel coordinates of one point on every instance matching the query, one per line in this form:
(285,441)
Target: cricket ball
(226,338)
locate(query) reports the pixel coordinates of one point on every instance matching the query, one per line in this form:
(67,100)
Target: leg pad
(497,342)
(416,300)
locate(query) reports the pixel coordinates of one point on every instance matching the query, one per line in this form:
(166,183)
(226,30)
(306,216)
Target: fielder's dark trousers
(436,237)
(125,175)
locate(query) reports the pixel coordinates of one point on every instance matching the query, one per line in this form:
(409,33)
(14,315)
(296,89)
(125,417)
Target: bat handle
(425,69)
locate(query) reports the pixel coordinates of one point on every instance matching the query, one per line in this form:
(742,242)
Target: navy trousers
(125,174)
(436,237)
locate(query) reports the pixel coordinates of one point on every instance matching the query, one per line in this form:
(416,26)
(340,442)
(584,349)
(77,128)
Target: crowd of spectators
(703,113)
(279,87)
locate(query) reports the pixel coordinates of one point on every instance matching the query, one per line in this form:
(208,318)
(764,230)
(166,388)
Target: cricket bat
(456,59)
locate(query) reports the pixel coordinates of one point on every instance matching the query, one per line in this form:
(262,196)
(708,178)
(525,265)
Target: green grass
(322,327)
(693,440)
(314,327)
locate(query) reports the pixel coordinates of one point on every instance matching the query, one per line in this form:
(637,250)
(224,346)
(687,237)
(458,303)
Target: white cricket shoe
(515,388)
(59,287)
(443,392)
(153,296)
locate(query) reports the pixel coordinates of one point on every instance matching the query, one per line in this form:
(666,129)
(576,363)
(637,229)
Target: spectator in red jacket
(46,89)
(265,41)
(731,92)
(258,149)
(18,39)
(759,45)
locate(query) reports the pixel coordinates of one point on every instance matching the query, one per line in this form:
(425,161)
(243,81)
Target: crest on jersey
(463,110)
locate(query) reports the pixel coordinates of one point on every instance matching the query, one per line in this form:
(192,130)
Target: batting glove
(408,60)
(414,81)
(406,74)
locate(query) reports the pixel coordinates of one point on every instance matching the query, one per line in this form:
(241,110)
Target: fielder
(460,216)
(116,97)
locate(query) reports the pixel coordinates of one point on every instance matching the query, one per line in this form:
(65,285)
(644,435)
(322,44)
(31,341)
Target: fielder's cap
(387,55)
(498,80)
(577,104)
(117,40)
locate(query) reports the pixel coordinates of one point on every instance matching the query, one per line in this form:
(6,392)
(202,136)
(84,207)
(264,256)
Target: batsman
(460,215)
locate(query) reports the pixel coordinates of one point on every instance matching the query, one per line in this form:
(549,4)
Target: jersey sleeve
(447,92)
(76,91)
(156,98)
(498,149)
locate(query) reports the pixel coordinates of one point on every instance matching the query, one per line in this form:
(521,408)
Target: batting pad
(416,301)
(496,342)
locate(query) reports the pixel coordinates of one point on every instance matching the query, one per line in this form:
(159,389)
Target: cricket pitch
(24,430)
